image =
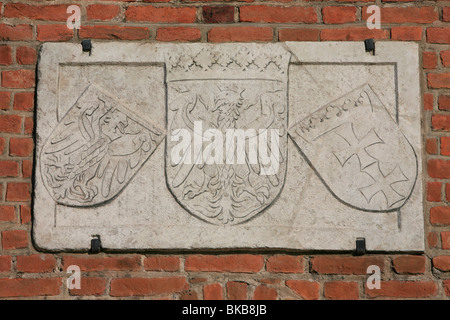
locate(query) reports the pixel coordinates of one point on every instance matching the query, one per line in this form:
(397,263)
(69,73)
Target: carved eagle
(94,152)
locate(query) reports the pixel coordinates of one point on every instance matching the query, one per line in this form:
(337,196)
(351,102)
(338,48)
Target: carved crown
(227,61)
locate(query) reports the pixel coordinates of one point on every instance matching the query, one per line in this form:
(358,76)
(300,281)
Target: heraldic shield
(95,150)
(227,129)
(357,149)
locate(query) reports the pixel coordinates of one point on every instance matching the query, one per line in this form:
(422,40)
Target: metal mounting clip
(370,45)
(87,46)
(360,246)
(96,244)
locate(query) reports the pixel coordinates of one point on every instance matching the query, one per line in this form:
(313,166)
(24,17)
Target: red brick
(264,293)
(162,263)
(429,60)
(445,57)
(9,168)
(27,167)
(428,101)
(21,147)
(25,214)
(7,213)
(440,215)
(439,80)
(24,101)
(14,239)
(447,191)
(447,282)
(434,191)
(442,263)
(178,34)
(339,14)
(341,290)
(5,98)
(405,15)
(189,295)
(161,14)
(10,123)
(36,12)
(198,280)
(237,290)
(438,168)
(36,263)
(285,264)
(17,32)
(54,32)
(406,33)
(114,32)
(144,286)
(432,239)
(438,35)
(30,287)
(18,78)
(102,12)
(226,263)
(18,191)
(440,122)
(446,14)
(218,14)
(298,34)
(26,55)
(445,237)
(308,290)
(431,146)
(445,146)
(444,102)
(5,55)
(2,147)
(5,263)
(212,292)
(353,34)
(261,13)
(90,286)
(344,265)
(409,264)
(404,289)
(240,34)
(104,263)
(28,125)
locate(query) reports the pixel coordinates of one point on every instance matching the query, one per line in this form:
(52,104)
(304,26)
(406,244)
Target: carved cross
(356,146)
(383,183)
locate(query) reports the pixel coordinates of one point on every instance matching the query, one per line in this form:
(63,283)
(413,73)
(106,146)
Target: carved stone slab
(205,146)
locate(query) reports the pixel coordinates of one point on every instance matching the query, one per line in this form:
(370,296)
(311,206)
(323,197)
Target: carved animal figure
(94,153)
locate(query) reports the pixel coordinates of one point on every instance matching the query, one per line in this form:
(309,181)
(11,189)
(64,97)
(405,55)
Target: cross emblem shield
(358,151)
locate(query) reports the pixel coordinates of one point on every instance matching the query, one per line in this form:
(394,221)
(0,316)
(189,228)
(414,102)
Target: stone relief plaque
(302,146)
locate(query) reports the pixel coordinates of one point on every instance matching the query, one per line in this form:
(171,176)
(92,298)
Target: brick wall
(25,272)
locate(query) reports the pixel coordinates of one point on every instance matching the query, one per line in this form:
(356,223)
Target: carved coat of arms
(95,150)
(358,151)
(227,117)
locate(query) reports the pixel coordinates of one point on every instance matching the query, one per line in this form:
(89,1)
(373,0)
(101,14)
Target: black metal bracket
(370,45)
(360,246)
(96,245)
(87,46)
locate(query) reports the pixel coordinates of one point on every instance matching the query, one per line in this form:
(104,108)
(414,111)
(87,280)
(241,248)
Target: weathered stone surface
(136,144)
